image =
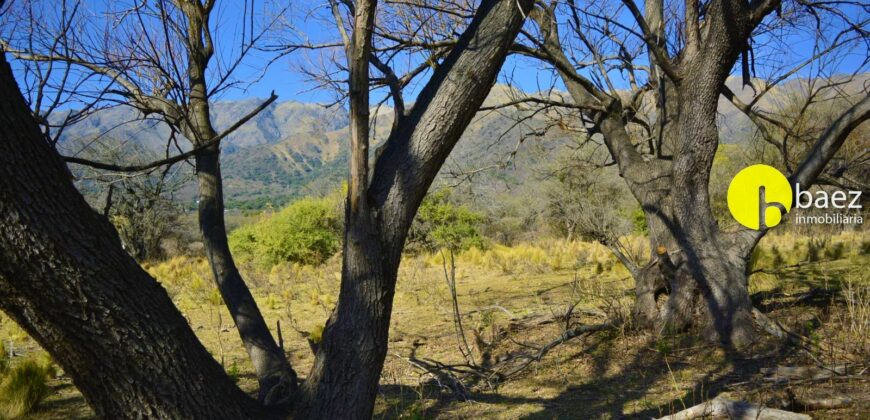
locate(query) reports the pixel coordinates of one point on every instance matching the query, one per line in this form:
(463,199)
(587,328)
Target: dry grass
(24,385)
(607,375)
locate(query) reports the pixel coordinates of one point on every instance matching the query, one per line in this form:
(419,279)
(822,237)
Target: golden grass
(24,385)
(495,285)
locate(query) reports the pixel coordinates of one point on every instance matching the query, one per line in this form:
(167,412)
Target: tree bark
(718,274)
(343,381)
(65,279)
(702,269)
(277,380)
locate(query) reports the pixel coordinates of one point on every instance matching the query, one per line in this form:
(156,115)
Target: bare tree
(586,205)
(155,58)
(648,83)
(383,200)
(107,325)
(66,280)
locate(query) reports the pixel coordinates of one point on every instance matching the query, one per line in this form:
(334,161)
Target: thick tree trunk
(276,378)
(65,279)
(719,275)
(343,381)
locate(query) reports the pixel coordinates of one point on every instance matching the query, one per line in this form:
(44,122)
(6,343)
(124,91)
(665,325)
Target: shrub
(835,251)
(814,249)
(441,224)
(778,260)
(638,222)
(307,231)
(23,387)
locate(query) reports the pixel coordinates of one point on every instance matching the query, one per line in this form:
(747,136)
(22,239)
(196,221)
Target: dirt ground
(511,313)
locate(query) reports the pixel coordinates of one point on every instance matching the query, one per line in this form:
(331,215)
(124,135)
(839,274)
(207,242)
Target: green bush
(814,249)
(441,224)
(23,387)
(638,222)
(307,231)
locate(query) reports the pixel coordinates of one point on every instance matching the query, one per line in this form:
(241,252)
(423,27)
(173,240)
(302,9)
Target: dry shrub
(23,386)
(857,322)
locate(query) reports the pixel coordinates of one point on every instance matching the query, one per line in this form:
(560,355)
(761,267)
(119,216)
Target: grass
(620,374)
(24,385)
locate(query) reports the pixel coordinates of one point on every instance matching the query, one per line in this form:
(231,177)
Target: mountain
(292,149)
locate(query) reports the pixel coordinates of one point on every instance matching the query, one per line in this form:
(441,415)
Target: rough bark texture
(698,266)
(343,381)
(65,279)
(718,273)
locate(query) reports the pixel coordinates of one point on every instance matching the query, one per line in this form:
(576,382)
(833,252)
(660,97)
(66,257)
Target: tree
(583,203)
(662,131)
(155,58)
(141,207)
(66,280)
(111,333)
(381,204)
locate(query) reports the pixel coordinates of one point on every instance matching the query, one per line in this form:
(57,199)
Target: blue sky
(315,24)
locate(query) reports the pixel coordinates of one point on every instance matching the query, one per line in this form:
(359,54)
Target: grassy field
(513,301)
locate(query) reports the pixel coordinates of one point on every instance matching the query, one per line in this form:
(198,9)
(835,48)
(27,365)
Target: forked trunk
(344,380)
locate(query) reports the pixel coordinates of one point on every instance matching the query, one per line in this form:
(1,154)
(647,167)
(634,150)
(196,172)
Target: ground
(515,300)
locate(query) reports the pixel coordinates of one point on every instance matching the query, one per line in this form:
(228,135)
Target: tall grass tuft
(23,387)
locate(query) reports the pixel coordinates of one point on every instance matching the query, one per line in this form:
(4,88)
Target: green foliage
(24,386)
(234,372)
(316,334)
(814,249)
(638,222)
(865,248)
(664,346)
(307,231)
(441,224)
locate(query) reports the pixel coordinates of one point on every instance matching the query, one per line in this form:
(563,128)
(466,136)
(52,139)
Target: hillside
(293,149)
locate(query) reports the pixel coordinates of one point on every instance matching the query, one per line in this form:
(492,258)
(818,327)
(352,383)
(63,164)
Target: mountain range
(291,149)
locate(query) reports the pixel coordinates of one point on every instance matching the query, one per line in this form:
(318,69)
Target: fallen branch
(735,410)
(807,403)
(775,329)
(443,378)
(567,335)
(792,373)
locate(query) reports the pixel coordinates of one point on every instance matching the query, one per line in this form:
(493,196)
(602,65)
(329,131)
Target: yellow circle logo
(759,196)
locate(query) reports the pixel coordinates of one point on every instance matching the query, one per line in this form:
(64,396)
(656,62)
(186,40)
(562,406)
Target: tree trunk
(65,279)
(277,380)
(343,381)
(718,273)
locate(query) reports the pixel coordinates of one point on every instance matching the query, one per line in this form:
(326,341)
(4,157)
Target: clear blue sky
(315,23)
